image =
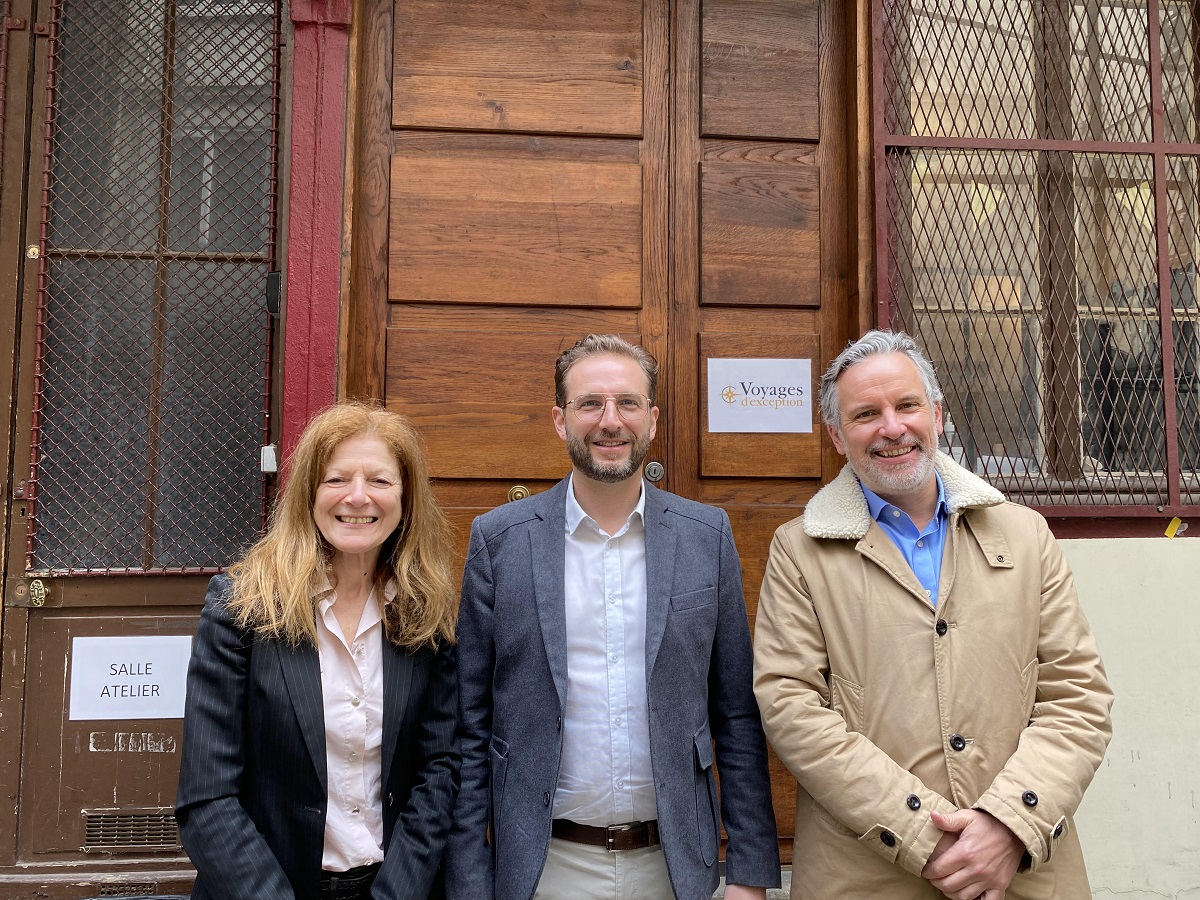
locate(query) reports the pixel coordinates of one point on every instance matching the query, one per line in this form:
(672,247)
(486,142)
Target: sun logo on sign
(729,394)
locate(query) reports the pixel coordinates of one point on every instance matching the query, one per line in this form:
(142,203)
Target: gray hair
(868,345)
(595,344)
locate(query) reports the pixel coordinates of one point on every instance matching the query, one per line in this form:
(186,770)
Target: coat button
(1058,830)
(391,799)
(1029,798)
(888,839)
(913,801)
(546,799)
(957,742)
(941,627)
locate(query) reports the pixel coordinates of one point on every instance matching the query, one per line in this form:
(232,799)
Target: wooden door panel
(545,229)
(760,68)
(567,66)
(481,400)
(760,240)
(472,425)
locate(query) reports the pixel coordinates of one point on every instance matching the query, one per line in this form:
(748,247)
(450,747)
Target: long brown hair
(274,584)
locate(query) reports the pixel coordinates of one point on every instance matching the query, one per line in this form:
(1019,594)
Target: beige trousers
(579,872)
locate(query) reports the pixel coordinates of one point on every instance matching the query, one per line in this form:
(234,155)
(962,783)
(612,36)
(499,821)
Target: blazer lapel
(660,570)
(397,679)
(548,548)
(301,667)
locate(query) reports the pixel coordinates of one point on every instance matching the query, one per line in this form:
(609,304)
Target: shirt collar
(878,506)
(324,595)
(576,516)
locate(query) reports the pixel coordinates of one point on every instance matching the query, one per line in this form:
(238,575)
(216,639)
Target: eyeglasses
(630,407)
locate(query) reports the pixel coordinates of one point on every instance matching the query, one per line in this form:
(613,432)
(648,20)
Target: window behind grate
(158,230)
(1036,211)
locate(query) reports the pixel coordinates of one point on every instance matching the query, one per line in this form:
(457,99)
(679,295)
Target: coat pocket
(846,699)
(693,599)
(707,821)
(499,760)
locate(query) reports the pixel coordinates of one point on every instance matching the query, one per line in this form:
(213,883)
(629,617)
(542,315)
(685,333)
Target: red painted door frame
(320,74)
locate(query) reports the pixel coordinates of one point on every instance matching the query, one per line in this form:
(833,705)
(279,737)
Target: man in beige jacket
(922,664)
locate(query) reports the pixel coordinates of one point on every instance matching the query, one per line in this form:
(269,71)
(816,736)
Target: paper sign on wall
(129,677)
(760,395)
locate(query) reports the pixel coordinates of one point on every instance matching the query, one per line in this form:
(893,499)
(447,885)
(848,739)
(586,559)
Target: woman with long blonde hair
(319,760)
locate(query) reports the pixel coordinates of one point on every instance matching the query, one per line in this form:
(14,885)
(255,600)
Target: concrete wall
(1140,820)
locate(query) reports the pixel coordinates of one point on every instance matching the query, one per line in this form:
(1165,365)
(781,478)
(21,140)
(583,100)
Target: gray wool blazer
(513,683)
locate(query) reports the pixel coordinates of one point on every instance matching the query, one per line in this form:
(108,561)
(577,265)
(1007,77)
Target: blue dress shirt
(922,550)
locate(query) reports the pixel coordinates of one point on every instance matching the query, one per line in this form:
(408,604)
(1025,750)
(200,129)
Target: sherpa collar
(839,510)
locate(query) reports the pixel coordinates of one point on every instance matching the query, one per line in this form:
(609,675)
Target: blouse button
(354,701)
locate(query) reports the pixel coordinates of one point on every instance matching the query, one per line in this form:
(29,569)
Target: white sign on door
(129,677)
(760,395)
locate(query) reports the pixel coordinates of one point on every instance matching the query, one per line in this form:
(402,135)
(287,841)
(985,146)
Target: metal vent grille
(140,889)
(158,230)
(129,830)
(1038,205)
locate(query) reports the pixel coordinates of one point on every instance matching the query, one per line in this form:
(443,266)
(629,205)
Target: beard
(886,482)
(608,472)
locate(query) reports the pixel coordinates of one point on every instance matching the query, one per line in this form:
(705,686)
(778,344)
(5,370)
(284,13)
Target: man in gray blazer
(603,649)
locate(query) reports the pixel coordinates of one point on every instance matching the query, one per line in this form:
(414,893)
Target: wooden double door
(525,173)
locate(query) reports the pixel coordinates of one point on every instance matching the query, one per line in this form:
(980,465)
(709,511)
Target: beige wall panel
(569,66)
(760,241)
(759,455)
(759,75)
(545,231)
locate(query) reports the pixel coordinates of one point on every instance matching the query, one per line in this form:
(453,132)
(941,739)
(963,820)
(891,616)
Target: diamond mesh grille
(1023,241)
(1017,70)
(158,226)
(1180,40)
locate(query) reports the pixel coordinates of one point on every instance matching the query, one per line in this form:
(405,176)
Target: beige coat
(886,709)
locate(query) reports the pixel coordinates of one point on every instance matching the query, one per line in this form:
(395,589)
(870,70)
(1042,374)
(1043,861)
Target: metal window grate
(979,68)
(158,231)
(129,830)
(1036,212)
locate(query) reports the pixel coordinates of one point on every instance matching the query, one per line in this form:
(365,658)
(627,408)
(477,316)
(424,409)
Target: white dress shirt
(352,695)
(606,778)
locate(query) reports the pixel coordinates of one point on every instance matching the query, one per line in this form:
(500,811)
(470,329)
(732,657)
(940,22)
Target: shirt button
(354,701)
(353,757)
(354,810)
(920,543)
(614,657)
(895,515)
(617,720)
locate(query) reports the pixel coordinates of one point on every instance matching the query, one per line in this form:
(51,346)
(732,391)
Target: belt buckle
(611,833)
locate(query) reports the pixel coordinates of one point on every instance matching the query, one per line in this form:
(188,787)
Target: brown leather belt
(629,836)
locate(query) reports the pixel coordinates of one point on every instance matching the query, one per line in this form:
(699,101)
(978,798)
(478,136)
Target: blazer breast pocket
(694,599)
